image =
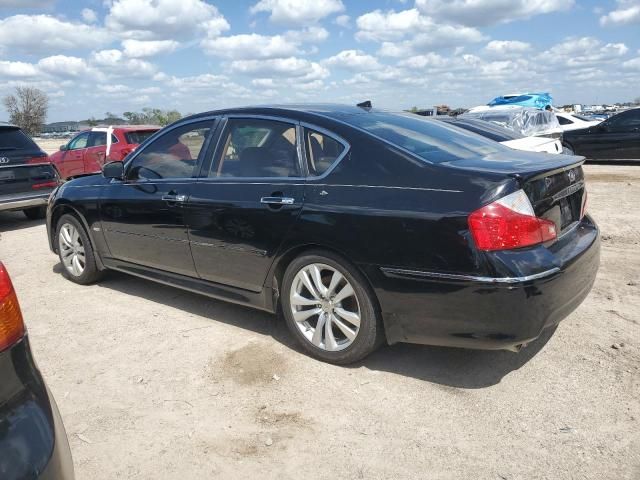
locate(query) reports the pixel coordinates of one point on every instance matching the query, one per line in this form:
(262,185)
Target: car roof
(332,110)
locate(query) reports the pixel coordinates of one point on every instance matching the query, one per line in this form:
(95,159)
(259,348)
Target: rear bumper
(20,201)
(33,441)
(490,313)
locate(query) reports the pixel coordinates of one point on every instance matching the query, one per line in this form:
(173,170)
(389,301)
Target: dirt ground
(156,383)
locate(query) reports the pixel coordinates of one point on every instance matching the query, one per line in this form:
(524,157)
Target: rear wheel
(75,251)
(330,309)
(35,213)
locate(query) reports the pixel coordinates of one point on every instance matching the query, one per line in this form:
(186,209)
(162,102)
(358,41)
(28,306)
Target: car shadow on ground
(452,367)
(11,221)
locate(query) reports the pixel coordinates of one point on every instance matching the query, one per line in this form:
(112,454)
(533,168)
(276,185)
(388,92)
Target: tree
(27,108)
(152,116)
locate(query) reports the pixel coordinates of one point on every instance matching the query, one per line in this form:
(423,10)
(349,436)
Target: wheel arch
(57,213)
(282,262)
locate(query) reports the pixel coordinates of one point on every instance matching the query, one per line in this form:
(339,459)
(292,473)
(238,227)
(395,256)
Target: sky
(98,56)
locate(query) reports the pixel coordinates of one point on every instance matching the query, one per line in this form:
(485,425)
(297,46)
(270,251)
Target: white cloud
(64,66)
(298,12)
(633,64)
(113,62)
(355,60)
(164,19)
(148,48)
(507,48)
(489,12)
(18,69)
(583,52)
(247,46)
(89,15)
(343,21)
(303,70)
(421,32)
(309,34)
(44,33)
(627,13)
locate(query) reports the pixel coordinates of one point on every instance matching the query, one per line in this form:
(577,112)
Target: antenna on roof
(366,105)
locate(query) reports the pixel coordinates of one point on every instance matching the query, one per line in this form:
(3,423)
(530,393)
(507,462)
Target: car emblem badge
(4,160)
(572,175)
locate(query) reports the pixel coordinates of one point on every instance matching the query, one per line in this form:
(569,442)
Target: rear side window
(15,139)
(564,121)
(322,151)
(257,148)
(97,139)
(432,140)
(138,136)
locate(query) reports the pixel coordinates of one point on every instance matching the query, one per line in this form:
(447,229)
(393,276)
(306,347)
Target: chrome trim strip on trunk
(468,278)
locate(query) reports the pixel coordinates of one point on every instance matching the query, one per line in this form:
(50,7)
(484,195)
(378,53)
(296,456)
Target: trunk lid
(554,183)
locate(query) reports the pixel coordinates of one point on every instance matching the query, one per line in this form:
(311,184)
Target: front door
(624,134)
(72,159)
(241,212)
(143,216)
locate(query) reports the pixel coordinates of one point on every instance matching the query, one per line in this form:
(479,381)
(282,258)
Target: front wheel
(330,308)
(75,251)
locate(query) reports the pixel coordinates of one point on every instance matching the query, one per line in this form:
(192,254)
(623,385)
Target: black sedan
(33,442)
(616,138)
(362,225)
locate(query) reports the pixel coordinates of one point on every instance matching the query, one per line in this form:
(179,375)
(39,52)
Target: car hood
(518,163)
(84,180)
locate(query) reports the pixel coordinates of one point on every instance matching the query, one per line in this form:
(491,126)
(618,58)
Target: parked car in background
(33,441)
(617,138)
(89,150)
(527,121)
(505,136)
(27,177)
(364,225)
(575,121)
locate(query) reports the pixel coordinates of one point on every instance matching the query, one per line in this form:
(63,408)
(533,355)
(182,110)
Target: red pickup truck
(90,149)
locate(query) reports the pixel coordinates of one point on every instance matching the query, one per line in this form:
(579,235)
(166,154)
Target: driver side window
(171,155)
(79,142)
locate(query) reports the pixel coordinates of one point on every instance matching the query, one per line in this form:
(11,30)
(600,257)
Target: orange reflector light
(11,325)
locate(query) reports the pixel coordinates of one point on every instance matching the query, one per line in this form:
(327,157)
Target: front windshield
(432,140)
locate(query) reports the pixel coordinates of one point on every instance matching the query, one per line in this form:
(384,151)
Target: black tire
(371,331)
(90,273)
(35,213)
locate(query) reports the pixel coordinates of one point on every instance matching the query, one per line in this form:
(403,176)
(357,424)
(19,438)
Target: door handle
(277,200)
(174,198)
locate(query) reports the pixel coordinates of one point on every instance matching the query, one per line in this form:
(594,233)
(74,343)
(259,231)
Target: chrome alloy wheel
(325,307)
(71,249)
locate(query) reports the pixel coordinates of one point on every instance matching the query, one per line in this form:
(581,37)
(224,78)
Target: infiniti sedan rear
(364,226)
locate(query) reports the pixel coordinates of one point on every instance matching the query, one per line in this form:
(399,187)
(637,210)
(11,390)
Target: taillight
(11,325)
(509,223)
(51,184)
(38,160)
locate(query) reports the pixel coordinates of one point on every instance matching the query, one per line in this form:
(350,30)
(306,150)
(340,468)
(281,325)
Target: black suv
(26,175)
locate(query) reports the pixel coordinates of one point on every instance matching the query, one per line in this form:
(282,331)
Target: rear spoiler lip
(536,174)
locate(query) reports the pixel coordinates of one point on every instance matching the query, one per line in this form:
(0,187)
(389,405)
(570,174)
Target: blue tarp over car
(536,100)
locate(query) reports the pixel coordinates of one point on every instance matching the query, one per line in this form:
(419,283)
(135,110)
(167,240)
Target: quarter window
(564,120)
(98,139)
(172,155)
(257,148)
(322,151)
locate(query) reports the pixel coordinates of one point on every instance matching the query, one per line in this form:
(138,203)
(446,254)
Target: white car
(575,121)
(527,121)
(505,136)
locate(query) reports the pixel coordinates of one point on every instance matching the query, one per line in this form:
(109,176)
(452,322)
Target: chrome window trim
(388,271)
(266,180)
(330,134)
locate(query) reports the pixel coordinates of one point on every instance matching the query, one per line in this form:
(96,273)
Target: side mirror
(113,170)
(63,148)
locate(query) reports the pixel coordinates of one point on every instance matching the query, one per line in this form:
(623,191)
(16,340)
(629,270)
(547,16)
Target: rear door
(143,217)
(253,192)
(623,132)
(96,152)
